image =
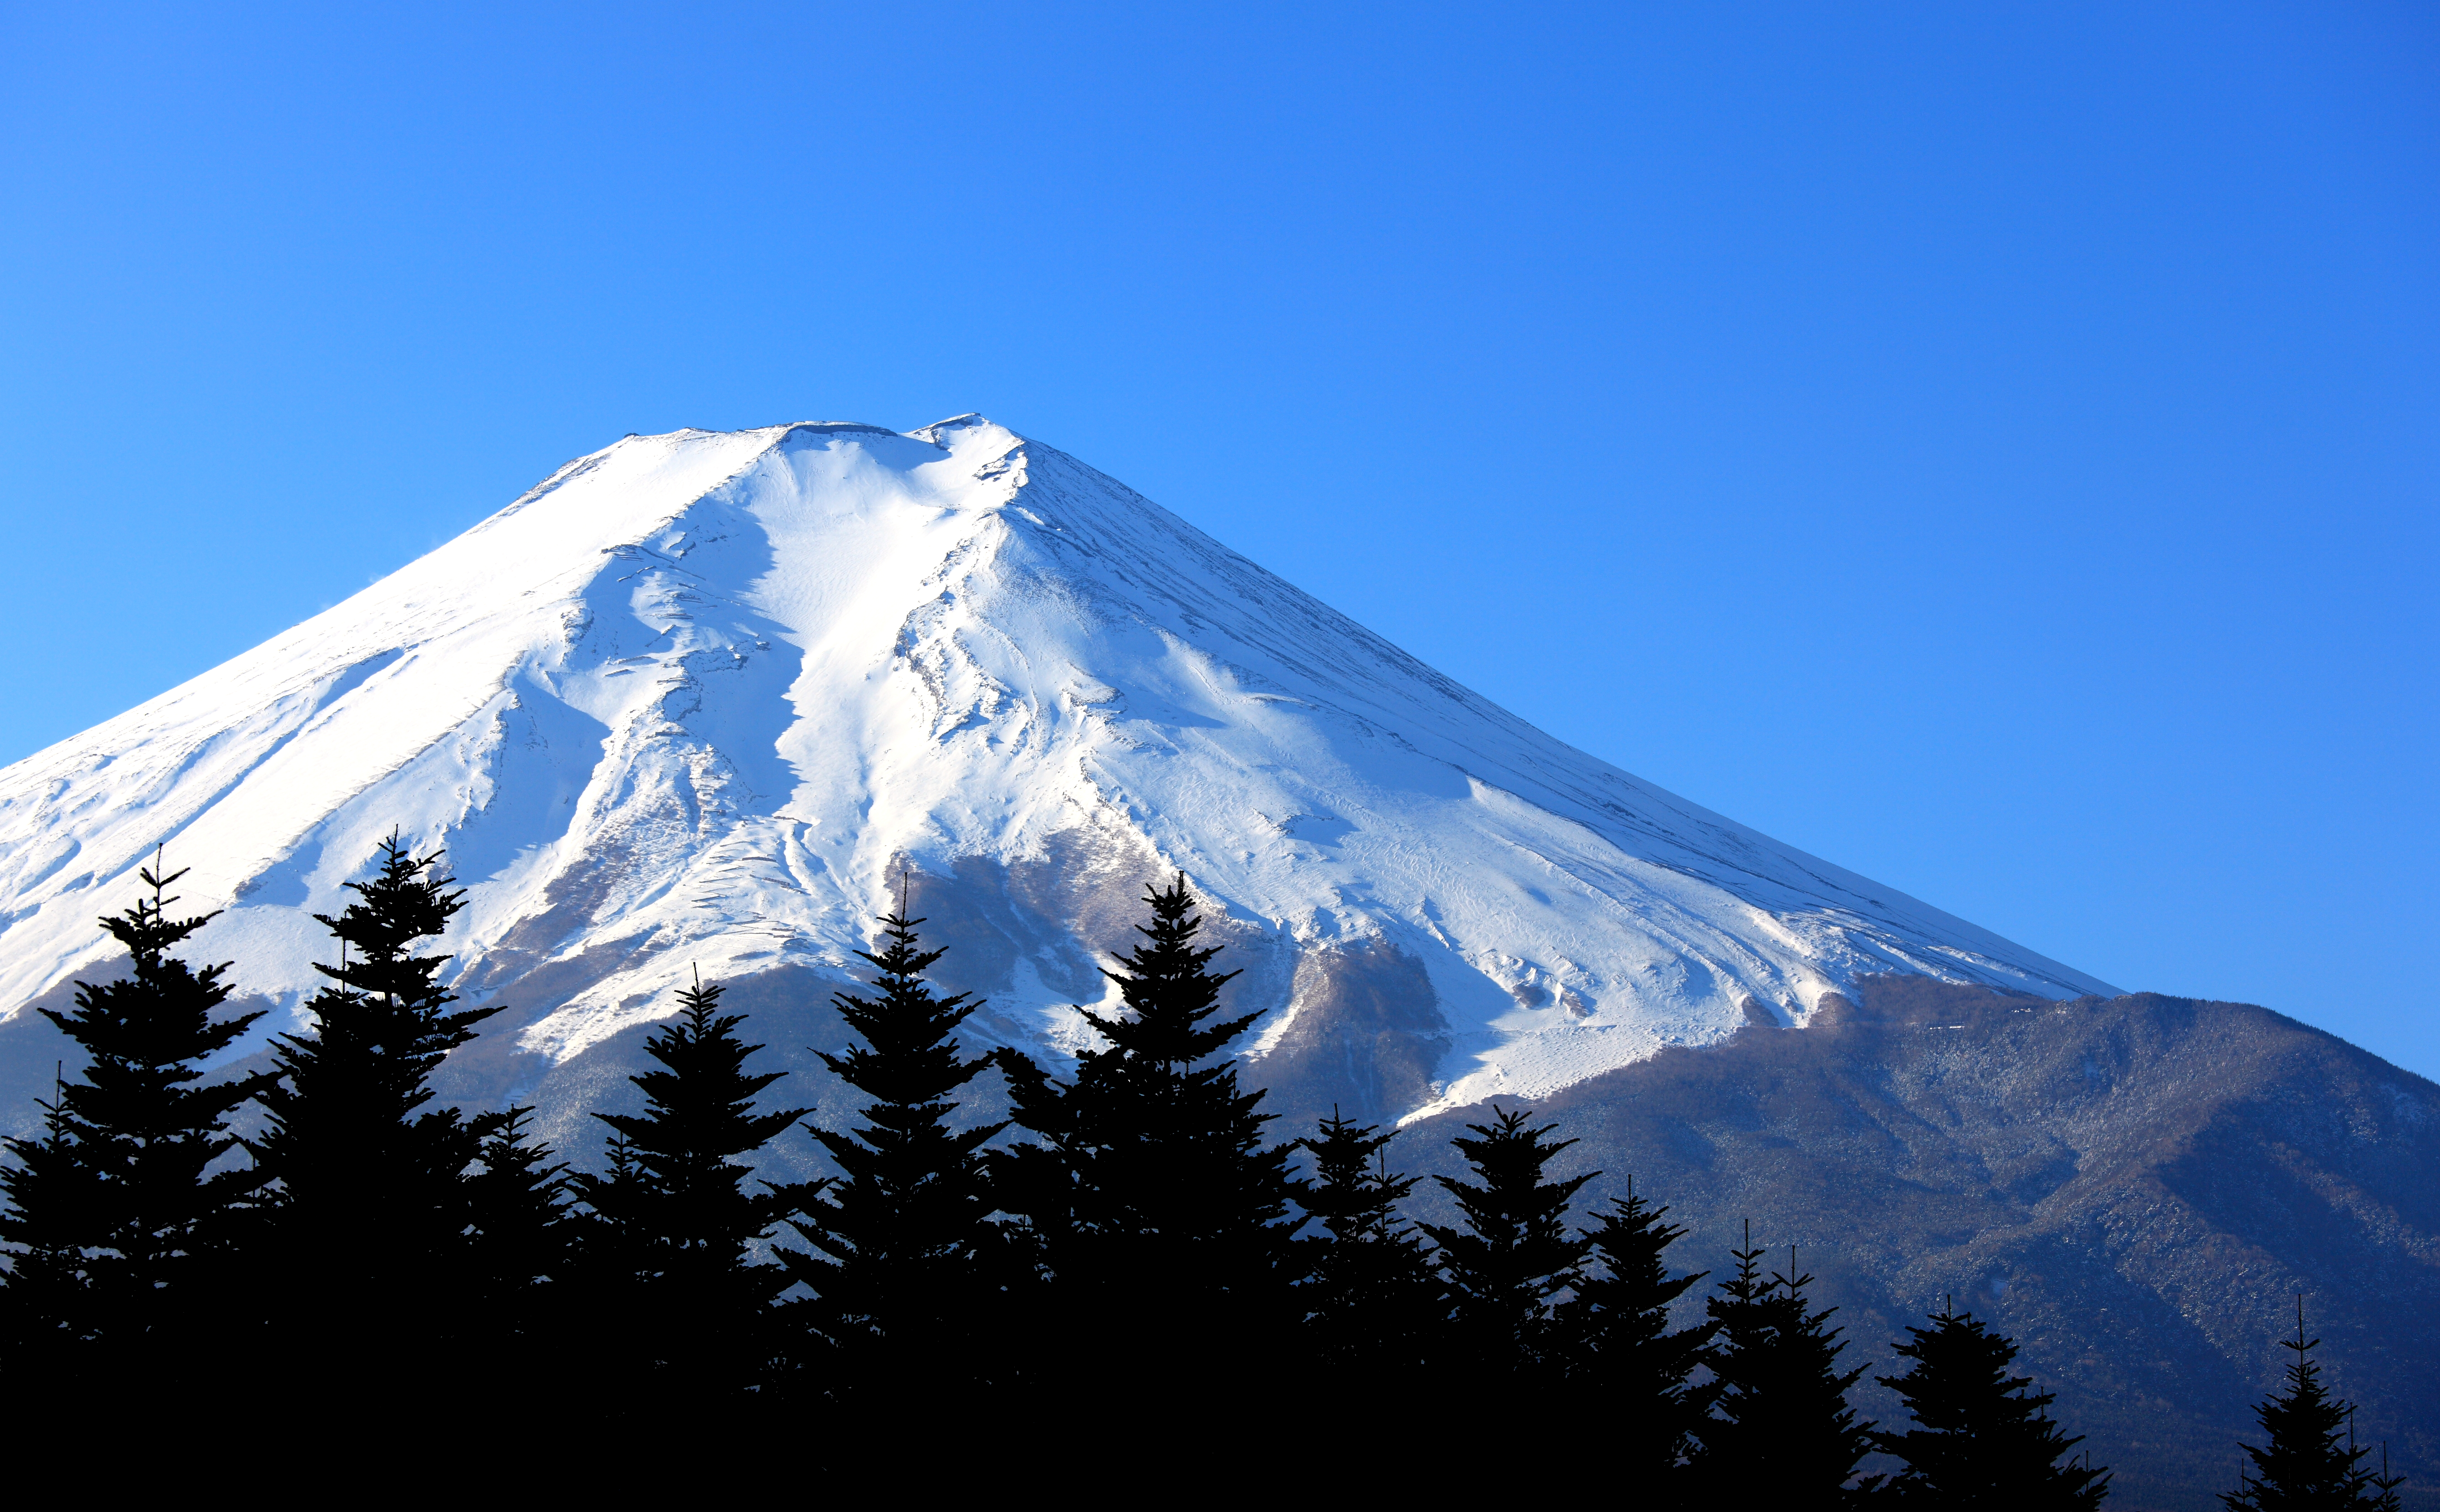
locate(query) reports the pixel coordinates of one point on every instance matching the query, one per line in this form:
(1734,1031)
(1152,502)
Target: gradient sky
(1991,446)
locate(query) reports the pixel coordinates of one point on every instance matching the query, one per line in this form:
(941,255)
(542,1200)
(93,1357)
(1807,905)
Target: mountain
(696,701)
(712,700)
(2136,1189)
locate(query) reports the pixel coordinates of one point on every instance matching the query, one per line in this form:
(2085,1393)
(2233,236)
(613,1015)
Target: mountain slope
(2135,1188)
(696,699)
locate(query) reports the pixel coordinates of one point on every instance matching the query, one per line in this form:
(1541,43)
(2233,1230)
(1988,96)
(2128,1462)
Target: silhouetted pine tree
(525,1238)
(1785,1428)
(113,1205)
(910,1277)
(369,1223)
(1162,1217)
(675,1227)
(1981,1440)
(1512,1258)
(1373,1303)
(2305,1466)
(1625,1370)
(44,1317)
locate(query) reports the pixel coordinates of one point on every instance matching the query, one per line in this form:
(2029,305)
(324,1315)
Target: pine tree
(370,1224)
(1160,1213)
(1626,1369)
(1981,1440)
(910,1272)
(1514,1257)
(524,1238)
(676,1223)
(1373,1302)
(1784,1428)
(2305,1466)
(45,1317)
(116,1206)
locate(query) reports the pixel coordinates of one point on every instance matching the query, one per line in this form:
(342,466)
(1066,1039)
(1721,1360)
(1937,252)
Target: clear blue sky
(1992,446)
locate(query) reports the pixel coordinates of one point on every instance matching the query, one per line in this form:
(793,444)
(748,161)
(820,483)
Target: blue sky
(1993,447)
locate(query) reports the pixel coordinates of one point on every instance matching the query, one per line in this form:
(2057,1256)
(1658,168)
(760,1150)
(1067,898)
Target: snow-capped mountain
(698,700)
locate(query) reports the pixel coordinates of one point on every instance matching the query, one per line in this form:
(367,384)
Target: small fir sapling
(525,1236)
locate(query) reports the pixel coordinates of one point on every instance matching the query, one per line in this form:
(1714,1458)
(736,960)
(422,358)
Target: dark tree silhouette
(1980,1439)
(910,1277)
(1514,1257)
(1784,1428)
(525,1237)
(45,1317)
(1162,1218)
(370,1254)
(1625,1370)
(119,1220)
(2312,1460)
(676,1223)
(1373,1302)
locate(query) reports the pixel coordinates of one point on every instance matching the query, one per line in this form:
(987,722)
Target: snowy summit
(698,699)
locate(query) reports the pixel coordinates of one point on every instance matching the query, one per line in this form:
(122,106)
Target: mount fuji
(698,701)
(709,701)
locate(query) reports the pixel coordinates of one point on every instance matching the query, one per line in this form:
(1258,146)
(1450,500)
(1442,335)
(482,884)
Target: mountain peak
(695,699)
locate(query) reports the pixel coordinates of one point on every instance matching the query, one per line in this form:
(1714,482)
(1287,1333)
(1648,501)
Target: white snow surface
(684,702)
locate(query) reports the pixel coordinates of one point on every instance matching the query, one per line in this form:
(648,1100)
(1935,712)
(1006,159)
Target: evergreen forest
(1135,1264)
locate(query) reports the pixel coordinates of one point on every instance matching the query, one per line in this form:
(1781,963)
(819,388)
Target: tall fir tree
(2311,1461)
(1980,1439)
(1163,1219)
(1373,1302)
(909,1277)
(1626,1370)
(676,1221)
(119,1214)
(1515,1256)
(371,1224)
(1784,1428)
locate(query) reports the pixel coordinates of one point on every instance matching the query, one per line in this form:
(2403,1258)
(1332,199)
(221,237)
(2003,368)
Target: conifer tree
(1162,1217)
(1515,1255)
(1373,1302)
(114,1205)
(1980,1439)
(1784,1428)
(2305,1466)
(1625,1368)
(46,1318)
(369,1223)
(524,1236)
(909,1274)
(676,1224)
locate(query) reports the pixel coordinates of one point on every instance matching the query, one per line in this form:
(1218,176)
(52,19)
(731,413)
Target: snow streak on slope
(690,700)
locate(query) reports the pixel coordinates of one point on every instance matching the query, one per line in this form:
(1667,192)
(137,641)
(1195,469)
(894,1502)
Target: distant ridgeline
(1137,1267)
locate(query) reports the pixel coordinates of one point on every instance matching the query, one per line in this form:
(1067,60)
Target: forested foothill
(1137,1263)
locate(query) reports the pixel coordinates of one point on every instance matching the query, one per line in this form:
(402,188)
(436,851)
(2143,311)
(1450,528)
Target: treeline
(1140,1271)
